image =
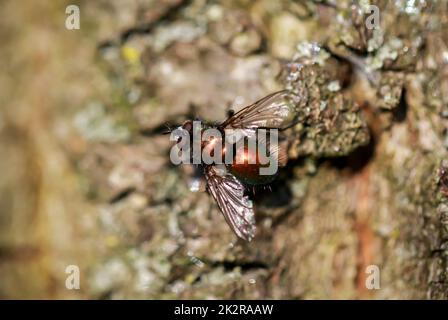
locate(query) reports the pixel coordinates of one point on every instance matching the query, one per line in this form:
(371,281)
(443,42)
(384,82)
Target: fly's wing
(275,111)
(235,206)
(275,150)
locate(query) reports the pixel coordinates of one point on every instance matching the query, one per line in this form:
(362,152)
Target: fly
(228,181)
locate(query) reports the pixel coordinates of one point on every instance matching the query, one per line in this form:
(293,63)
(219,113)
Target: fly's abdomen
(247,167)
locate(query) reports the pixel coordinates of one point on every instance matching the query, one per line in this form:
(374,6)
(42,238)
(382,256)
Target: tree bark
(88,180)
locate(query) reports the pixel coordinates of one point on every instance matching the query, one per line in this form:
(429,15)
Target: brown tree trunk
(87,180)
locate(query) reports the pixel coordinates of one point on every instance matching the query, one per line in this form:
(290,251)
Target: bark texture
(87,180)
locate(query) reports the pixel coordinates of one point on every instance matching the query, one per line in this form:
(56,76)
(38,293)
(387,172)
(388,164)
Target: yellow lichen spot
(130,54)
(190,278)
(111,241)
(395,234)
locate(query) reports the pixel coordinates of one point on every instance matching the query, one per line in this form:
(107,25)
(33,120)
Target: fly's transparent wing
(235,206)
(276,110)
(277,151)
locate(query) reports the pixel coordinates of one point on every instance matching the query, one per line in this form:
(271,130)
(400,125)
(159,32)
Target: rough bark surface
(87,180)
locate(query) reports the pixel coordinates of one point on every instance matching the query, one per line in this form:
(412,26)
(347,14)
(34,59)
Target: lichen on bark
(366,182)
